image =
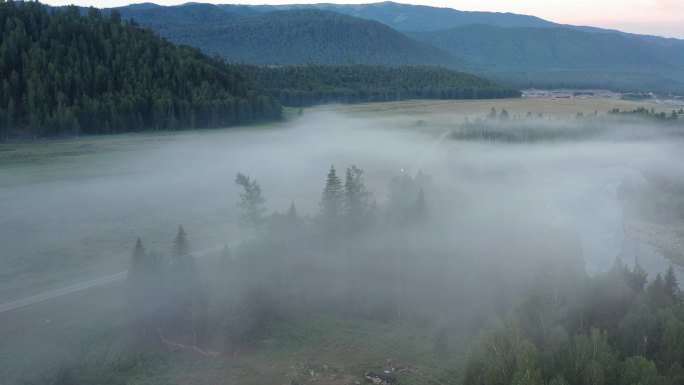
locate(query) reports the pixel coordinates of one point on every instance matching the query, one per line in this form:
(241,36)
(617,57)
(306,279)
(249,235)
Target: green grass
(359,345)
(306,347)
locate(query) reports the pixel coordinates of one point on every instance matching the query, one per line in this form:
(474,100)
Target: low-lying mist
(428,224)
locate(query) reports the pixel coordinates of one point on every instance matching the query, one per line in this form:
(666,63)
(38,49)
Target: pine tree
(638,279)
(331,202)
(181,247)
(144,288)
(657,293)
(332,205)
(251,202)
(187,296)
(138,252)
(356,199)
(672,286)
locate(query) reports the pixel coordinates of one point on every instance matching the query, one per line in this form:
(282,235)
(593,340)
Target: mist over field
(452,227)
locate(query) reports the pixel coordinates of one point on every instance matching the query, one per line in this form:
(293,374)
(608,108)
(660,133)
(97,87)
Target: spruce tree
(671,285)
(332,201)
(144,288)
(639,278)
(251,202)
(181,247)
(356,198)
(138,252)
(187,297)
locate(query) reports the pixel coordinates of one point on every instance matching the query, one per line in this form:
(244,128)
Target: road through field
(85,285)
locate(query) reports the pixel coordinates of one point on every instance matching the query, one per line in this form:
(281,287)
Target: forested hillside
(563,57)
(517,50)
(301,86)
(66,74)
(293,37)
(409,17)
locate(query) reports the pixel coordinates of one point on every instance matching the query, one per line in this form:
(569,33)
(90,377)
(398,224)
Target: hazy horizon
(649,17)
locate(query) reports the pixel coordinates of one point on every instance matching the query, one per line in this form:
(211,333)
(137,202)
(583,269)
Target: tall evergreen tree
(138,253)
(672,286)
(251,202)
(187,297)
(145,288)
(356,199)
(332,202)
(181,247)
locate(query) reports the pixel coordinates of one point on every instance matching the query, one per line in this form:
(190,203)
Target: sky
(651,17)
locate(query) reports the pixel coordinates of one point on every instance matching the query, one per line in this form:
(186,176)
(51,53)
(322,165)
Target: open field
(458,110)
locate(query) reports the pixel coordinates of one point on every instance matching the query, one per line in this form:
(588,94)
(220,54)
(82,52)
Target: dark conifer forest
(66,74)
(302,86)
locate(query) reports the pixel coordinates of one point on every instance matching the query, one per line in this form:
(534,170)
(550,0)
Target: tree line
(649,114)
(67,74)
(307,85)
(502,126)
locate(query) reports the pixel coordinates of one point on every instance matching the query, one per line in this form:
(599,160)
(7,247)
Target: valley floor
(306,347)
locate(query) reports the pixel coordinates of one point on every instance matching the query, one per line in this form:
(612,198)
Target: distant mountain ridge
(288,37)
(498,50)
(518,50)
(408,17)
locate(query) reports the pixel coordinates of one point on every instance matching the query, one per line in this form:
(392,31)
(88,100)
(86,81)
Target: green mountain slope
(421,18)
(296,37)
(65,74)
(408,17)
(534,54)
(191,13)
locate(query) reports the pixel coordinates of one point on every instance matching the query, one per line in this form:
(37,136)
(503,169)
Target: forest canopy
(67,74)
(306,85)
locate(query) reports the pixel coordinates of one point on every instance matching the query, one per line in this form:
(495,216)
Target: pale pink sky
(653,17)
